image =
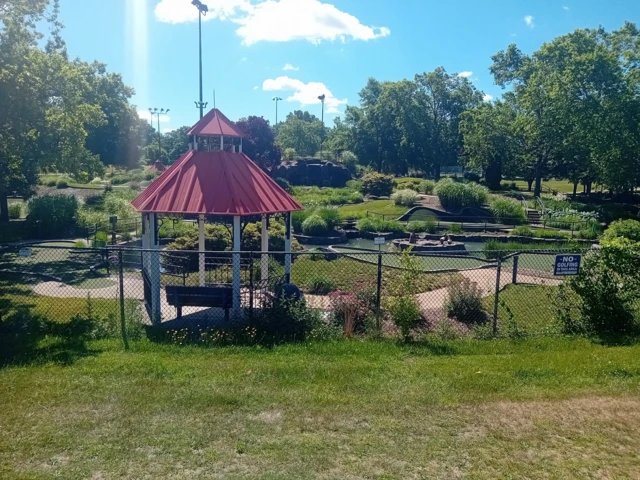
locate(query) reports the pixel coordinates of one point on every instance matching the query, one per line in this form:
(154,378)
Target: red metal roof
(214,183)
(215,123)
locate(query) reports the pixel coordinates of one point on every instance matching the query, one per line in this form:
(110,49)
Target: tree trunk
(538,174)
(493,176)
(530,183)
(4,206)
(575,189)
(589,185)
(436,171)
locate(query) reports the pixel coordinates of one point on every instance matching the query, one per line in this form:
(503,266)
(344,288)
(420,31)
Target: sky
(254,50)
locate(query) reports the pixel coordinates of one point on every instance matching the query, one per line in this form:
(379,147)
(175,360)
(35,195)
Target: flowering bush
(349,310)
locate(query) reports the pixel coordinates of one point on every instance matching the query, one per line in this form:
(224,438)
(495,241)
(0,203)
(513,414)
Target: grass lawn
(531,307)
(543,408)
(351,275)
(562,186)
(385,207)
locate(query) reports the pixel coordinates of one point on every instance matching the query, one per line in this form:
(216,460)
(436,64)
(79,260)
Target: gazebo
(213,179)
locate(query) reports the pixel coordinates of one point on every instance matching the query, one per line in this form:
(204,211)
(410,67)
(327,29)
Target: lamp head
(321,98)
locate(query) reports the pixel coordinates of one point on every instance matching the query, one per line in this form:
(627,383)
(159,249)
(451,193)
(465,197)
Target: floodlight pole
(158,112)
(276,99)
(202,10)
(321,98)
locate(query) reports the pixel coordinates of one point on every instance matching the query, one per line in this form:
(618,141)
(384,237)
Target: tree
(301,131)
(175,143)
(119,139)
(488,139)
(259,141)
(443,97)
(44,114)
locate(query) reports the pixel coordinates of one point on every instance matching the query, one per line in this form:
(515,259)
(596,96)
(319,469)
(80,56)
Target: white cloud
(256,87)
(288,66)
(304,93)
(276,20)
(565,8)
(487,97)
(181,11)
(146,115)
(465,74)
(529,21)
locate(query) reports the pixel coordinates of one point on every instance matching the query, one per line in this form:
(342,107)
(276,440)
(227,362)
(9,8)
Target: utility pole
(276,99)
(202,10)
(321,98)
(158,112)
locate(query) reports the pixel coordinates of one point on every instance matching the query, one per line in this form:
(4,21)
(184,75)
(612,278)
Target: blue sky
(327,46)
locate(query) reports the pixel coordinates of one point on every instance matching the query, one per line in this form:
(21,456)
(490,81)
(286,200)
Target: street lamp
(276,99)
(158,112)
(202,10)
(321,98)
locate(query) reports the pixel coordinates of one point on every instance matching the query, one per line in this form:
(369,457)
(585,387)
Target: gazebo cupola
(210,132)
(212,181)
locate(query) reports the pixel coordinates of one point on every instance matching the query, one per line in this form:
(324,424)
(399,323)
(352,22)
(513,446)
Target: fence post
(123,325)
(379,282)
(572,229)
(497,295)
(251,284)
(514,277)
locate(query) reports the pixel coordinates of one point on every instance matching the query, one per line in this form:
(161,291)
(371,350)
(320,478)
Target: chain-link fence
(479,293)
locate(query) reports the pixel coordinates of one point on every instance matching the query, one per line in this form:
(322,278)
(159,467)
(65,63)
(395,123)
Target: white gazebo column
(201,255)
(145,242)
(264,258)
(287,248)
(154,268)
(221,142)
(240,144)
(236,267)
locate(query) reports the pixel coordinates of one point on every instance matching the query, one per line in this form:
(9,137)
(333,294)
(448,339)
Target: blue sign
(567,265)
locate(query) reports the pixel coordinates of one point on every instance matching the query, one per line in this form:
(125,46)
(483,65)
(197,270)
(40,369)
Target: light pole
(158,112)
(276,99)
(202,10)
(321,98)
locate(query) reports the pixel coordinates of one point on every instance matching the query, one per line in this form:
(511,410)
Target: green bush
(508,211)
(79,244)
(377,184)
(62,184)
(427,187)
(427,226)
(100,240)
(315,226)
(464,303)
(629,229)
(284,184)
(15,211)
(375,225)
(330,215)
(55,215)
(51,183)
(405,313)
(321,285)
(608,289)
(455,228)
(566,222)
(455,195)
(522,231)
(314,196)
(405,197)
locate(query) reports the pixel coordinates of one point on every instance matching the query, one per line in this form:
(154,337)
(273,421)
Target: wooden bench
(221,297)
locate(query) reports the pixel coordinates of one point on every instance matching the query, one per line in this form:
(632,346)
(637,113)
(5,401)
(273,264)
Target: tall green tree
(489,142)
(301,131)
(44,112)
(259,141)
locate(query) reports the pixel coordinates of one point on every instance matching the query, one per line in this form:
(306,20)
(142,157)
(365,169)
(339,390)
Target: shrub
(284,184)
(508,211)
(458,195)
(587,234)
(426,226)
(126,237)
(79,244)
(465,302)
(15,211)
(608,289)
(315,226)
(623,228)
(298,217)
(349,311)
(51,183)
(55,214)
(427,187)
(62,184)
(321,285)
(330,215)
(471,176)
(375,225)
(455,228)
(100,240)
(349,160)
(405,313)
(377,184)
(564,221)
(522,231)
(289,153)
(405,197)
